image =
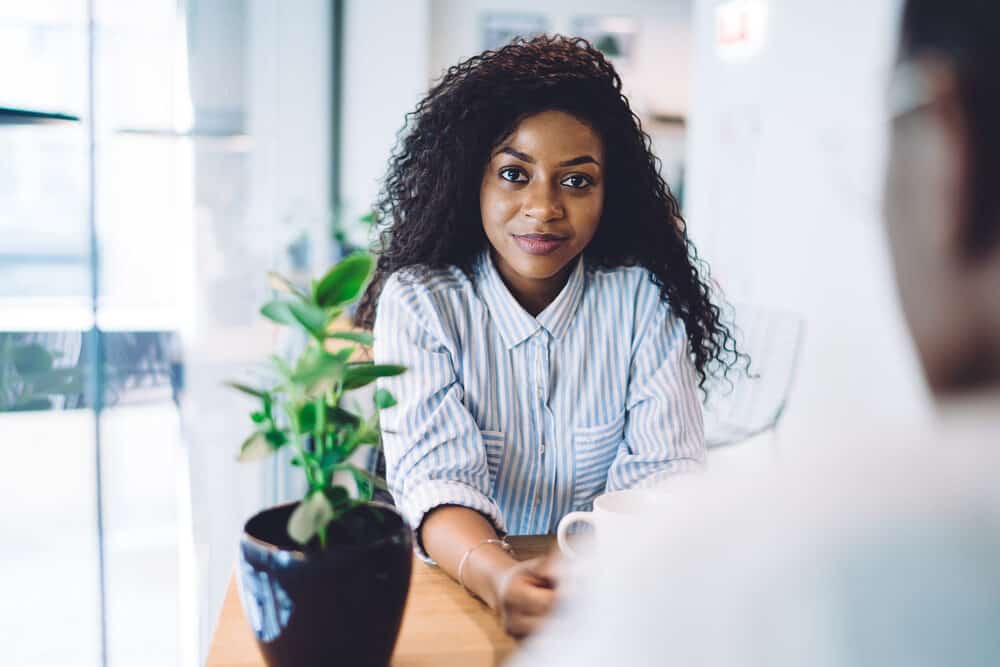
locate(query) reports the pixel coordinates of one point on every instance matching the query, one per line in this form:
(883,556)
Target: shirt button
(541,449)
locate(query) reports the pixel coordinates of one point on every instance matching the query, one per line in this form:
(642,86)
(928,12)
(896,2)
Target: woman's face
(541,198)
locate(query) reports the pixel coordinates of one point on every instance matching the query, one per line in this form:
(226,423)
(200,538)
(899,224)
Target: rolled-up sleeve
(664,431)
(434,450)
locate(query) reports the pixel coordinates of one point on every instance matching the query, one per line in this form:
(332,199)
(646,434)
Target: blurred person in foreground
(888,551)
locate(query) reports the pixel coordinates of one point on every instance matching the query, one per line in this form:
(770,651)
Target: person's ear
(948,128)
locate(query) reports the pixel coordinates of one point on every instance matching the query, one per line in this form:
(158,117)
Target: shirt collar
(558,315)
(515,324)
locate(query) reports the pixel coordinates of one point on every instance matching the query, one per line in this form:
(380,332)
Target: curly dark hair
(429,204)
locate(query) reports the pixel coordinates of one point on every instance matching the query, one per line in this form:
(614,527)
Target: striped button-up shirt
(528,418)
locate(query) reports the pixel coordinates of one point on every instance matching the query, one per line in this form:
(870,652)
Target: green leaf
(331,458)
(362,373)
(344,355)
(343,283)
(368,218)
(31,358)
(362,474)
(365,490)
(310,518)
(384,399)
(307,417)
(366,436)
(259,393)
(311,318)
(362,337)
(278,311)
(353,438)
(280,365)
(255,448)
(280,282)
(340,416)
(338,496)
(276,438)
(257,417)
(318,370)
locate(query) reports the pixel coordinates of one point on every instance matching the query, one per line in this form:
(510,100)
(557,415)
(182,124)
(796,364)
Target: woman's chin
(539,268)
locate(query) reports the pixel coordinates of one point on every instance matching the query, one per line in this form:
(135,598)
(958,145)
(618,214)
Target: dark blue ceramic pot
(341,605)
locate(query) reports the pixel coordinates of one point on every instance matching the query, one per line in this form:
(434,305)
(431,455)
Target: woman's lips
(539,244)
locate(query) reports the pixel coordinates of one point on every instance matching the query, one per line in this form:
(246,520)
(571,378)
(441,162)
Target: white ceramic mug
(617,516)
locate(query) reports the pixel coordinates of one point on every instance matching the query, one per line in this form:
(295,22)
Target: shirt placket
(540,377)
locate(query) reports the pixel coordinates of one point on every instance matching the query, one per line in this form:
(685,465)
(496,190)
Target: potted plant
(323,581)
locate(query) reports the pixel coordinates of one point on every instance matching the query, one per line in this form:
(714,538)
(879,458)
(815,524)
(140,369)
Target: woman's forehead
(553,135)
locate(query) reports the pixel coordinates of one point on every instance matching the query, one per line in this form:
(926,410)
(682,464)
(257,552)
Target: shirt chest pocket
(594,449)
(493,443)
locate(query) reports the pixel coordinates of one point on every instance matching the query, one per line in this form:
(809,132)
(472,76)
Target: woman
(536,278)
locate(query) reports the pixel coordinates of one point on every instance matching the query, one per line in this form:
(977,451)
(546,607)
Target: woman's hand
(525,595)
(522,593)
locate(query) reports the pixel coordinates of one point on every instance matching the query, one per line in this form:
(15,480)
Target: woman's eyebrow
(524,157)
(583,159)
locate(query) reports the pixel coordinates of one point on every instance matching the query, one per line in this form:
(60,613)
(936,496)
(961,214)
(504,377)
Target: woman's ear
(948,133)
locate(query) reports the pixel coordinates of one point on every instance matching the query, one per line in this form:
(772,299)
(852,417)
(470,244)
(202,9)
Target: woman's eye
(513,175)
(577,181)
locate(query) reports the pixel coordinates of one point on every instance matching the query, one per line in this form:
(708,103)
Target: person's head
(542,195)
(942,194)
(531,142)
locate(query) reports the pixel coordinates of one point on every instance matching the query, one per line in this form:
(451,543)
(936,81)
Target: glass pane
(144,227)
(49,570)
(48,566)
(145,230)
(144,168)
(142,464)
(44,248)
(48,41)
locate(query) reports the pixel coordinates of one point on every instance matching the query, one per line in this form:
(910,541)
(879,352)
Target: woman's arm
(664,433)
(436,461)
(523,593)
(434,451)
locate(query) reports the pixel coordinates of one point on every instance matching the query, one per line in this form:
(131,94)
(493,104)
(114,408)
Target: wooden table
(443,625)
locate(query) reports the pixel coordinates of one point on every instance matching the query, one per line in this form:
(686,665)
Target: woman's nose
(543,203)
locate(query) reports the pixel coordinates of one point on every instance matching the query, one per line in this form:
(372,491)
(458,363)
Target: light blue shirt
(523,418)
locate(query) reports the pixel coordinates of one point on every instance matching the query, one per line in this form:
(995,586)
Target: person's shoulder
(622,281)
(427,295)
(419,281)
(846,482)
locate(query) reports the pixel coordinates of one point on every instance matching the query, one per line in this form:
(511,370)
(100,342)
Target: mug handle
(563,530)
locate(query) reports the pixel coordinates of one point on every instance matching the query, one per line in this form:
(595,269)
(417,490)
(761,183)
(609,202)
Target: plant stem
(320,428)
(305,457)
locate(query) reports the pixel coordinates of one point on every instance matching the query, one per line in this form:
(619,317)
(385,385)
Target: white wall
(658,81)
(785,152)
(393,50)
(385,56)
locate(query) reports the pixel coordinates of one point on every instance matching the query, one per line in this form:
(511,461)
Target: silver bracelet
(503,544)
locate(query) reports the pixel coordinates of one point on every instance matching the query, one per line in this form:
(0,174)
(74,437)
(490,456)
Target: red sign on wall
(739,27)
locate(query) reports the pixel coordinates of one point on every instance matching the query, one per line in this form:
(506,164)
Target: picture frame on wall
(499,28)
(614,36)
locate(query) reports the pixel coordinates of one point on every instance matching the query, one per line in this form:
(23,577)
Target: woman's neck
(533,294)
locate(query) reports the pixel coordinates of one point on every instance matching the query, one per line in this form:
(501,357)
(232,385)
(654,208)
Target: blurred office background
(157,158)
